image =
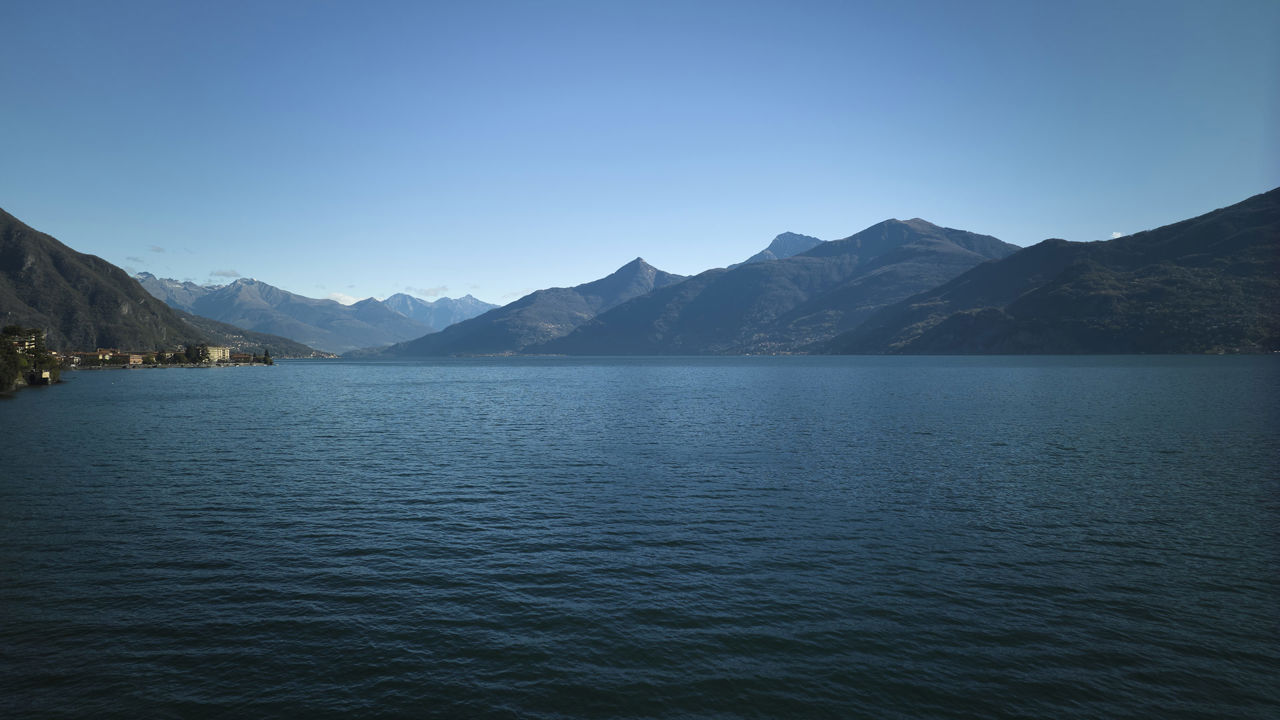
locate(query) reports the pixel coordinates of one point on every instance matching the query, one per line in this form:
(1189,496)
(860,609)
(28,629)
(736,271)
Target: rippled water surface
(745,537)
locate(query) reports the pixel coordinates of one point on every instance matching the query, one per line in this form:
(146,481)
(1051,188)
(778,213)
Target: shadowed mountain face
(783,246)
(440,313)
(784,305)
(539,316)
(1209,284)
(81,301)
(248,341)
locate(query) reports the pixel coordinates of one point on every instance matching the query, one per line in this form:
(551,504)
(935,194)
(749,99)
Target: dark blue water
(746,537)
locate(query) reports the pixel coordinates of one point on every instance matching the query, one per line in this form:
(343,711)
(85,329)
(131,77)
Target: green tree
(196,353)
(10,365)
(266,357)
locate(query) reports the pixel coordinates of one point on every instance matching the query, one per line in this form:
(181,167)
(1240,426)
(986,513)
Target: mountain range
(539,316)
(439,313)
(83,302)
(1208,284)
(1203,285)
(324,324)
(784,305)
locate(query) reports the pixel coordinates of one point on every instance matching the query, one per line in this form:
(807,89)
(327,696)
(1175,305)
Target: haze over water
(679,537)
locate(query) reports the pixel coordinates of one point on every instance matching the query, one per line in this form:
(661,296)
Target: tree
(10,366)
(266,356)
(196,353)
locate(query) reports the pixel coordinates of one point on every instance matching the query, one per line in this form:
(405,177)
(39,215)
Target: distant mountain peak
(789,243)
(889,223)
(784,245)
(541,315)
(636,268)
(440,313)
(919,221)
(892,234)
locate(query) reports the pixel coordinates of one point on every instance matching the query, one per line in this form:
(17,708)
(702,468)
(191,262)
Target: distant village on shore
(26,360)
(188,355)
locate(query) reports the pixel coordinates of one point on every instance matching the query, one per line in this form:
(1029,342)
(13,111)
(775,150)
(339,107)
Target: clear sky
(493,148)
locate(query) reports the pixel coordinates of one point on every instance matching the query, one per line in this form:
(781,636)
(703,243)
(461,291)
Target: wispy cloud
(155,248)
(517,294)
(427,291)
(225,274)
(1115,235)
(135,260)
(343,298)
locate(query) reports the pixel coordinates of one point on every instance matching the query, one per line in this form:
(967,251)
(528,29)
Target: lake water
(692,537)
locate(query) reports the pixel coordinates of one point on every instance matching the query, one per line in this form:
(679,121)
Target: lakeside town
(26,360)
(188,355)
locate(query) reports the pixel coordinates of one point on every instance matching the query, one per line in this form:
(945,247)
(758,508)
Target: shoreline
(190,366)
(22,383)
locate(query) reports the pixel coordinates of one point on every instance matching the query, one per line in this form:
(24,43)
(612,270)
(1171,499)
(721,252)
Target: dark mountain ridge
(1207,284)
(248,341)
(783,305)
(83,302)
(539,316)
(80,301)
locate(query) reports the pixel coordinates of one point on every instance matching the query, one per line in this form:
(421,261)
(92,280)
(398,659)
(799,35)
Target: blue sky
(493,148)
